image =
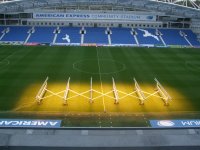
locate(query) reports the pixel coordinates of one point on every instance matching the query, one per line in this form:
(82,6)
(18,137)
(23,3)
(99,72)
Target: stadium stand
(122,36)
(148,37)
(173,37)
(96,35)
(42,35)
(16,34)
(93,35)
(191,37)
(1,31)
(69,35)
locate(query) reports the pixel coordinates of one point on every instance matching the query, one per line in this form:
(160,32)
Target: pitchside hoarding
(175,123)
(94,16)
(23,123)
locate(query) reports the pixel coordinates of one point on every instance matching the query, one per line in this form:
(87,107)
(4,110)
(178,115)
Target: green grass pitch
(23,70)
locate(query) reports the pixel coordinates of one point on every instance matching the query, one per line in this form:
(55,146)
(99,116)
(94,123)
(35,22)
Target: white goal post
(66,92)
(42,91)
(139,92)
(115,92)
(163,93)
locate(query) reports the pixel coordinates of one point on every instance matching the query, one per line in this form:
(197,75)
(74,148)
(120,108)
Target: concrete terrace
(147,139)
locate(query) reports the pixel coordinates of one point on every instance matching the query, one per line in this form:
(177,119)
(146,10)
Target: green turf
(21,66)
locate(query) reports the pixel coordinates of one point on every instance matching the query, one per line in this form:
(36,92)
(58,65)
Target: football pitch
(101,70)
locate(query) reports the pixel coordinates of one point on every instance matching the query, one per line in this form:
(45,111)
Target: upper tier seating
(69,35)
(148,36)
(96,35)
(16,34)
(191,37)
(42,35)
(122,36)
(173,37)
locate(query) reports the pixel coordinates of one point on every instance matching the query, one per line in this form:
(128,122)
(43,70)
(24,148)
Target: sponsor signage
(174,123)
(94,16)
(30,123)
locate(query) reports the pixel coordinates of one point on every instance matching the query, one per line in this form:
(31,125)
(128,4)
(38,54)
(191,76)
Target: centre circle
(101,66)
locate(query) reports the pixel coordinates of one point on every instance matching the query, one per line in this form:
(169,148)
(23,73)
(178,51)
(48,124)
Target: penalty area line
(8,56)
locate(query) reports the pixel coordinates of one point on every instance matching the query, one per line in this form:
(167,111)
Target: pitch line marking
(9,56)
(6,58)
(102,73)
(104,107)
(24,106)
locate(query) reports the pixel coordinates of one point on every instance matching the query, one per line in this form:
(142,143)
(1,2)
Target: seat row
(99,36)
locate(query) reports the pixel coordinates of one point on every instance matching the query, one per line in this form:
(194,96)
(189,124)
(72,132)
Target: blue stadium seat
(72,32)
(1,30)
(192,37)
(122,36)
(96,35)
(42,35)
(148,36)
(16,34)
(173,37)
(119,36)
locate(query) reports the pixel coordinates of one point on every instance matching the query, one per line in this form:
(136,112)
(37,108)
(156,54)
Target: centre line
(104,107)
